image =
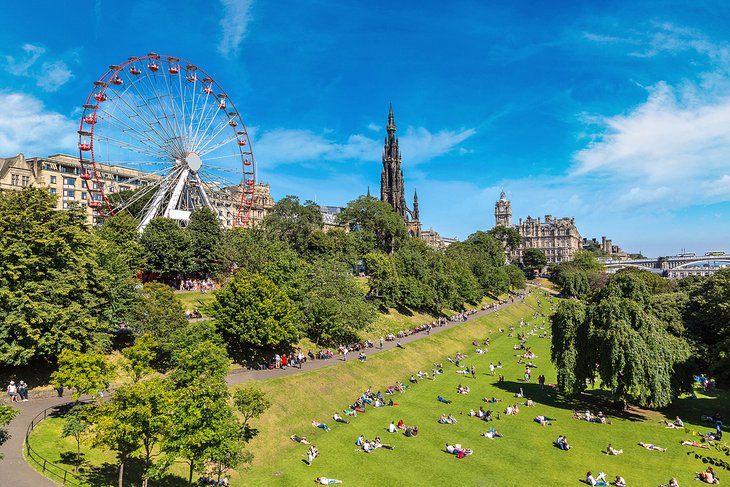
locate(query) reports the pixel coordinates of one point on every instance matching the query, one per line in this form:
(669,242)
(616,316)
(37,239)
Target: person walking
(23,391)
(344,354)
(382,342)
(13,391)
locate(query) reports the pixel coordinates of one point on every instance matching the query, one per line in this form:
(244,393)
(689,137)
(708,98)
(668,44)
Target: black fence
(49,468)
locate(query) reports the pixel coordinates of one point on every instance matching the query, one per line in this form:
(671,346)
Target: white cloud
(374,127)
(719,187)
(27,127)
(285,146)
(49,75)
(639,197)
(234,22)
(677,139)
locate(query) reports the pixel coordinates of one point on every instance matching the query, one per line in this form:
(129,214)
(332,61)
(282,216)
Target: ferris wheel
(162,132)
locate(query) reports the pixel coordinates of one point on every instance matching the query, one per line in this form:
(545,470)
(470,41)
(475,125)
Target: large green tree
(534,259)
(374,224)
(86,373)
(253,314)
(620,339)
(52,289)
(293,222)
(156,312)
(167,248)
(206,242)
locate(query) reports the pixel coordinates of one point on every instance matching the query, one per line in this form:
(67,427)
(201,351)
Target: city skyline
(615,114)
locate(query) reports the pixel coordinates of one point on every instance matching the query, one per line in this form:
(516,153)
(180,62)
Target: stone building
(558,238)
(436,241)
(392,188)
(62,175)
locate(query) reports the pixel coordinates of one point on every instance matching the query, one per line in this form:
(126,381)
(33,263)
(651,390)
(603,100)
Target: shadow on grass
(108,474)
(594,399)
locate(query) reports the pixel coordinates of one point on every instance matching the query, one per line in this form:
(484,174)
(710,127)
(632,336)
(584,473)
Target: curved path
(15,471)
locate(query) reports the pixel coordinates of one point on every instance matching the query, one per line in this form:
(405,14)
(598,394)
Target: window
(15,180)
(53,179)
(52,190)
(69,181)
(83,195)
(111,189)
(83,184)
(26,181)
(68,193)
(65,205)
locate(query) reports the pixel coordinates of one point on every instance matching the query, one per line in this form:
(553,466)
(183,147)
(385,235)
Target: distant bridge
(673,266)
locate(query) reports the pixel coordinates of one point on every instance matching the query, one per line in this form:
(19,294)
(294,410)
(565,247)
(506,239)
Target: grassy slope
(526,446)
(194,299)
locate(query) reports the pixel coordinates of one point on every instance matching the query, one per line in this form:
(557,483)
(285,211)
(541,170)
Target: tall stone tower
(503,211)
(391,179)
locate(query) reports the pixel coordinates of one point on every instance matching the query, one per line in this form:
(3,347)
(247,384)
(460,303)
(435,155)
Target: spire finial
(369,191)
(391,119)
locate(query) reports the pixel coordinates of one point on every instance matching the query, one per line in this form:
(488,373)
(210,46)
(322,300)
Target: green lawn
(525,454)
(195,299)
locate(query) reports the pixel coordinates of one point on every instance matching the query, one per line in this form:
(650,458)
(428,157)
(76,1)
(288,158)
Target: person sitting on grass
(442,419)
(650,446)
(411,431)
(529,403)
(492,433)
(300,439)
(610,450)
(460,389)
(593,481)
(401,425)
(708,476)
(619,481)
(694,444)
(392,428)
(458,450)
(326,481)
(562,443)
(317,424)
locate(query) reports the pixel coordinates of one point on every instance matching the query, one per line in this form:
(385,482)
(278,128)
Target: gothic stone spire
(391,178)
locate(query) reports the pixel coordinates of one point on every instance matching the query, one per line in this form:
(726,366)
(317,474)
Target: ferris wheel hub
(193,161)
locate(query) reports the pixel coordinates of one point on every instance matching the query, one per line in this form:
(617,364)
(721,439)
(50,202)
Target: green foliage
(206,242)
(158,313)
(374,224)
(534,259)
(7,413)
(579,277)
(52,288)
(86,373)
(383,283)
(333,307)
(251,402)
(121,231)
(509,236)
(76,424)
(167,247)
(140,357)
(293,222)
(484,256)
(619,338)
(203,362)
(517,278)
(253,313)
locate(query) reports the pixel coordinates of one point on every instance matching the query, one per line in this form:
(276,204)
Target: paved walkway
(15,471)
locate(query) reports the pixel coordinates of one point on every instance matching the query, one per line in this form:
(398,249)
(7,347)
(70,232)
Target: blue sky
(616,113)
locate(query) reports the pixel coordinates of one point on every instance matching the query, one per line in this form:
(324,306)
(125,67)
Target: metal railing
(47,467)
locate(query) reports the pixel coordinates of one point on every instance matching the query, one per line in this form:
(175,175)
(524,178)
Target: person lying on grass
(677,423)
(300,439)
(317,424)
(458,450)
(444,419)
(650,446)
(492,400)
(339,419)
(441,399)
(326,481)
(492,433)
(694,444)
(543,420)
(610,450)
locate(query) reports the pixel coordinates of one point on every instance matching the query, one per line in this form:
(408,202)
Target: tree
(76,424)
(252,313)
(579,277)
(140,357)
(251,402)
(52,289)
(509,237)
(206,242)
(157,312)
(7,413)
(166,247)
(619,338)
(516,277)
(293,222)
(375,225)
(86,373)
(534,259)
(121,231)
(383,278)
